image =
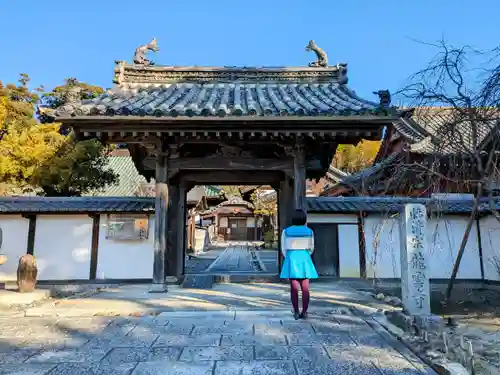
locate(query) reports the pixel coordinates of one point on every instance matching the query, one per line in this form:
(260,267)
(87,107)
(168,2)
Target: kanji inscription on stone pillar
(414,263)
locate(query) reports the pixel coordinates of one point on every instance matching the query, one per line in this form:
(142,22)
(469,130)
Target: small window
(127,227)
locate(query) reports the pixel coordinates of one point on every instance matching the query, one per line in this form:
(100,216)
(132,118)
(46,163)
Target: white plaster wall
(14,244)
(490,242)
(250,222)
(62,247)
(332,218)
(444,236)
(349,250)
(443,240)
(131,259)
(382,247)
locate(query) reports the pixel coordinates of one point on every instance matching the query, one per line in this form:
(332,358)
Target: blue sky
(54,39)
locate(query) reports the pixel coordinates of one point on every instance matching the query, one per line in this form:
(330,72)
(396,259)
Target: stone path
(224,342)
(236,258)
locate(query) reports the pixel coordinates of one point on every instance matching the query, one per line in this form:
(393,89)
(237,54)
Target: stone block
(254,368)
(174,368)
(27,273)
(126,355)
(91,369)
(217,353)
(72,355)
(298,353)
(184,340)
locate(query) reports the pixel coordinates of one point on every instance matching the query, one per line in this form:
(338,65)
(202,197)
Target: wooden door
(238,229)
(326,248)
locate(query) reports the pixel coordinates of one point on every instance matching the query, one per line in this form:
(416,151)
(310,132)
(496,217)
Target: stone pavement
(244,329)
(178,343)
(234,258)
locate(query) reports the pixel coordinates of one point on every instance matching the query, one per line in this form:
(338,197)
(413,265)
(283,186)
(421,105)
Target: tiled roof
(442,130)
(388,205)
(132,184)
(226,99)
(20,205)
(75,204)
(130,181)
(206,91)
(364,177)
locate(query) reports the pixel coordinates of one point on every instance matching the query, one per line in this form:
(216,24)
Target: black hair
(299,217)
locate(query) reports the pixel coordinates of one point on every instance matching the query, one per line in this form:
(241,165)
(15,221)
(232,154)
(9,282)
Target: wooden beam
(362,247)
(30,249)
(94,246)
(231,177)
(210,163)
(173,265)
(232,163)
(480,247)
(299,178)
(161,224)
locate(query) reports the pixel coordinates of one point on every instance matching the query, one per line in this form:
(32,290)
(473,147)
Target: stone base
(158,288)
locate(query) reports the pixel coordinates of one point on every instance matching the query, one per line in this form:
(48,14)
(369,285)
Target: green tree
(40,156)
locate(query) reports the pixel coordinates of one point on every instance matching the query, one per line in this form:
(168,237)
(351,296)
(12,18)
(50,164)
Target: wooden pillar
(161,223)
(180,229)
(299,177)
(174,258)
(285,210)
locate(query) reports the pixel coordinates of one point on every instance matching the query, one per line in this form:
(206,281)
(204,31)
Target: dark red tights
(303,284)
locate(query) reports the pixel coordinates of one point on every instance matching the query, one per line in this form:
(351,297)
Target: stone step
(229,279)
(198,281)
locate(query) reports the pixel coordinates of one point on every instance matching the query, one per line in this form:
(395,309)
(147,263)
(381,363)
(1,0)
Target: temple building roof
(144,89)
(223,92)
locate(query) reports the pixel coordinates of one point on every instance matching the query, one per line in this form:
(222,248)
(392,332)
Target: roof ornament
(73,94)
(384,97)
(140,53)
(322,58)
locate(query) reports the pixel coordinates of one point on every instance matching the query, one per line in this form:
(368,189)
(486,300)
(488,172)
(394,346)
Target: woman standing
(297,245)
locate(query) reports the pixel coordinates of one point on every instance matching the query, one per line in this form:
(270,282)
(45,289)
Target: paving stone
(92,369)
(255,368)
(123,355)
(72,355)
(217,353)
(183,327)
(252,340)
(16,355)
(174,368)
(370,339)
(185,340)
(50,343)
(390,365)
(344,367)
(284,328)
(299,353)
(125,341)
(227,329)
(320,339)
(142,331)
(26,369)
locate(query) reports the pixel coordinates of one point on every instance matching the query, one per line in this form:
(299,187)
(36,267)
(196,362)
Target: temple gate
(187,126)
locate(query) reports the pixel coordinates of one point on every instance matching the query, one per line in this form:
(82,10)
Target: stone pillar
(414,263)
(161,208)
(299,177)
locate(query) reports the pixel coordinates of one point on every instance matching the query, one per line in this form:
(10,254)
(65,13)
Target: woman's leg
(294,294)
(304,285)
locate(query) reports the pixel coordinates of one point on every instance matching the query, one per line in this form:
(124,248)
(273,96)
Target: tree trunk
(465,239)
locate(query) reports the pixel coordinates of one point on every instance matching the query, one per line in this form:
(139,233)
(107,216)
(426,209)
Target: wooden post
(161,224)
(174,217)
(299,177)
(180,229)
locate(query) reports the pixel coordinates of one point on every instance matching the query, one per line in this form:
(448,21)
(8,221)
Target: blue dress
(297,245)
